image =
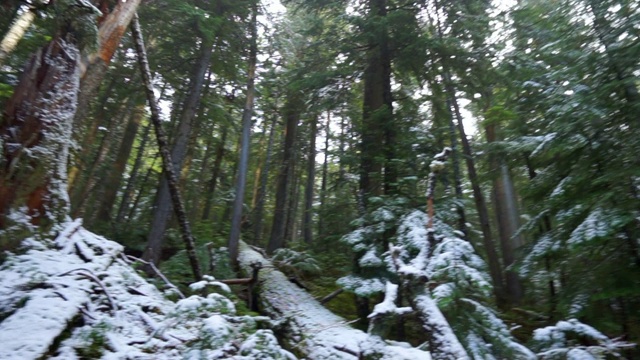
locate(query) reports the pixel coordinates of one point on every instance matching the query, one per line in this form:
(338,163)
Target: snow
(545,140)
(388,305)
(361,286)
(250,349)
(559,190)
(597,224)
(217,325)
(461,326)
(445,341)
(370,259)
(209,281)
(558,340)
(80,294)
(311,328)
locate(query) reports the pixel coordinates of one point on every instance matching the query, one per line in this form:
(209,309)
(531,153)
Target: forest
(320,179)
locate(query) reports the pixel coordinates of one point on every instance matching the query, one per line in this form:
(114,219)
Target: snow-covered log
(311,329)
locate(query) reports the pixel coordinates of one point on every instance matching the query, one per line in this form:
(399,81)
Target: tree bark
(35,135)
(215,174)
(495,269)
(292,111)
(133,176)
(236,221)
(457,176)
(162,211)
(325,174)
(258,220)
(291,227)
(377,111)
(167,163)
(507,217)
(114,177)
(311,180)
(112,27)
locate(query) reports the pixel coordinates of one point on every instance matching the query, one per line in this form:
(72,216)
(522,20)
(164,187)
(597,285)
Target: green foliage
(299,263)
(94,341)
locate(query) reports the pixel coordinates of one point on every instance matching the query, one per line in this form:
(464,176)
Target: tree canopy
(461,176)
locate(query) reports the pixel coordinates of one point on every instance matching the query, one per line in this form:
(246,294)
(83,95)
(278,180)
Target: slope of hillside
(77,296)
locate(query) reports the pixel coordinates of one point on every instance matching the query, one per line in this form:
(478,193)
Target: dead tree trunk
(167,163)
(495,269)
(457,176)
(35,134)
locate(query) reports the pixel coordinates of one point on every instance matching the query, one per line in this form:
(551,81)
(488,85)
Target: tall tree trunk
(341,150)
(257,175)
(162,211)
(377,173)
(292,111)
(80,159)
(258,220)
(325,173)
(291,227)
(143,184)
(16,32)
(507,217)
(236,221)
(133,177)
(311,180)
(114,177)
(167,162)
(215,174)
(457,176)
(495,269)
(377,113)
(84,188)
(203,176)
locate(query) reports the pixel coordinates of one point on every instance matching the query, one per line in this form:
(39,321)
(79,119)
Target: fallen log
(311,330)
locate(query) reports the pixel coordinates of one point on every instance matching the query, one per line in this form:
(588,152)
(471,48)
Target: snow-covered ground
(77,296)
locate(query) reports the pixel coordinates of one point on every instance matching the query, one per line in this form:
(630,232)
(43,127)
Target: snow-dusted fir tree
(438,273)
